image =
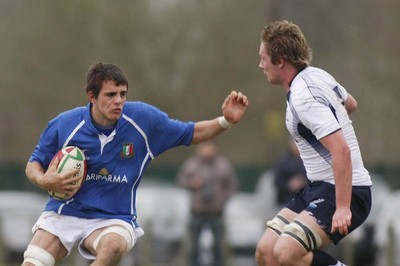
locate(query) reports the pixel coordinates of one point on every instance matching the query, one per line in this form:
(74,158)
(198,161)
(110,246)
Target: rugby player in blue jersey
(119,138)
(337,198)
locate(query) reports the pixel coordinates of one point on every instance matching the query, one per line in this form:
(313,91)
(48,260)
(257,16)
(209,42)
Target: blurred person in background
(289,174)
(337,199)
(211,179)
(120,138)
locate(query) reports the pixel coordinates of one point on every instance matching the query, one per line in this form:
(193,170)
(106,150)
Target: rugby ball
(70,157)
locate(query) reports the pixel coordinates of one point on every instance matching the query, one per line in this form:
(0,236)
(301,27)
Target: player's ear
(281,62)
(91,96)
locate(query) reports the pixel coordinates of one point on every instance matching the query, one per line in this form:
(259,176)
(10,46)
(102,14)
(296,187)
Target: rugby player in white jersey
(337,198)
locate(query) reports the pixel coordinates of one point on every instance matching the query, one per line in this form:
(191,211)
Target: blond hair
(284,40)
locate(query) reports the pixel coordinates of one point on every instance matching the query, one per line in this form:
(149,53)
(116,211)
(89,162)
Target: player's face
(270,71)
(107,107)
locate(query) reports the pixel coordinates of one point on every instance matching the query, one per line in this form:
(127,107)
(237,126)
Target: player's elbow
(351,108)
(351,105)
(29,169)
(343,152)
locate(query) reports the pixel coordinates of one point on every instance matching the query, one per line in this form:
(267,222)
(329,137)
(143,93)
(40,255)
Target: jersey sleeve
(171,133)
(47,146)
(343,93)
(316,114)
(164,132)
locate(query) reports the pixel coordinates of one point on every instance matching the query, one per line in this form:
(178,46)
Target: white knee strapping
(38,256)
(309,239)
(277,224)
(117,230)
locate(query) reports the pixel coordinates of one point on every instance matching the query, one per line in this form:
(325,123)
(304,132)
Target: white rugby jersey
(315,109)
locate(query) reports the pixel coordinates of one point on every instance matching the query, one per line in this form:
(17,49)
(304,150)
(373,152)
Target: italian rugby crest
(127,150)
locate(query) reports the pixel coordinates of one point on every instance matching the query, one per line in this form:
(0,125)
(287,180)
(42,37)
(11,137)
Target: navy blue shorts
(318,198)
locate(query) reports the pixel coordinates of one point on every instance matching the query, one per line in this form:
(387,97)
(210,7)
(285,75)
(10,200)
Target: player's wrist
(224,123)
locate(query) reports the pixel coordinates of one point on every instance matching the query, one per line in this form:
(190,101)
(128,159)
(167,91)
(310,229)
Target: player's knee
(265,248)
(306,238)
(114,248)
(283,256)
(259,255)
(37,256)
(264,253)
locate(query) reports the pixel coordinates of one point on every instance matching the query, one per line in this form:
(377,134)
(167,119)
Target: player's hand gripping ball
(70,158)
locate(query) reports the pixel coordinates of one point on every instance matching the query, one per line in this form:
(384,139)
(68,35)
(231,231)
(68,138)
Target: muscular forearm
(342,171)
(341,165)
(206,130)
(34,171)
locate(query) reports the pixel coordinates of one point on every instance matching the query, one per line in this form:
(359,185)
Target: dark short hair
(100,72)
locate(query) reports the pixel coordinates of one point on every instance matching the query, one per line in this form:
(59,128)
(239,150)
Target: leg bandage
(309,239)
(116,230)
(38,256)
(277,224)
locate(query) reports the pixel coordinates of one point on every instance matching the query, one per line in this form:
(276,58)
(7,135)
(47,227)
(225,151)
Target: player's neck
(106,130)
(292,73)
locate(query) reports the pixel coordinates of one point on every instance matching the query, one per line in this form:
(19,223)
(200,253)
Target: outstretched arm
(233,110)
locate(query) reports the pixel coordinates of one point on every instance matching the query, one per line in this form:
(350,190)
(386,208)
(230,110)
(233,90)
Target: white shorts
(73,230)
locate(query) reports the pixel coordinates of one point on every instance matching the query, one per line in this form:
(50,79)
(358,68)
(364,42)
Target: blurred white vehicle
(387,231)
(245,217)
(163,211)
(18,213)
(246,214)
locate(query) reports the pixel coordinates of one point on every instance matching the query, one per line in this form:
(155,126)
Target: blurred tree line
(185,57)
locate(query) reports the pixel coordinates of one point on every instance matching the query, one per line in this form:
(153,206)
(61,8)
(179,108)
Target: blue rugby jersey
(115,163)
